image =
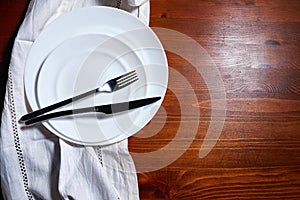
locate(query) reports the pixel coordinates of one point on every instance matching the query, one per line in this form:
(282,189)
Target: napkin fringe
(16,137)
(100,155)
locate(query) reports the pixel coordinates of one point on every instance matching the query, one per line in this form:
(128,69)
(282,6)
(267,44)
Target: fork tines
(127,79)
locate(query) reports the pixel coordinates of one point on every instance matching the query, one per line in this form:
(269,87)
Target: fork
(110,86)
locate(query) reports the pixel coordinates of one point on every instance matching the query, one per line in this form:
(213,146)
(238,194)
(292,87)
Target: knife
(107,109)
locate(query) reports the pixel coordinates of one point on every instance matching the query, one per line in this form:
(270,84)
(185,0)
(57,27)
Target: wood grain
(255,46)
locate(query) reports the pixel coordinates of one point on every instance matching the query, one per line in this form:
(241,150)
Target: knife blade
(106,109)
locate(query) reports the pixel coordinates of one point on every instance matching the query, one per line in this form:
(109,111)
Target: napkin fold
(36,164)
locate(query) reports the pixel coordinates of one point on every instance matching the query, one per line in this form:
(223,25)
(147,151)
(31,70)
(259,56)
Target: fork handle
(56,105)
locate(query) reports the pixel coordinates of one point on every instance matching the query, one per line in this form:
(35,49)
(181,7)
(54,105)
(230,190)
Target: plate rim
(41,37)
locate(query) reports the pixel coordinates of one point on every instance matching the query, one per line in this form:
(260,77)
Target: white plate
(90,51)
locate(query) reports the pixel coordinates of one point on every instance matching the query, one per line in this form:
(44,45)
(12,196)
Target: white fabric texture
(35,164)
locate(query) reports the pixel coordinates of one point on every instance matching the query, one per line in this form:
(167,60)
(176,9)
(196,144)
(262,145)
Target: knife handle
(59,114)
(56,105)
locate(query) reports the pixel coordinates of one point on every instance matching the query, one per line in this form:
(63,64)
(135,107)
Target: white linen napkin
(35,164)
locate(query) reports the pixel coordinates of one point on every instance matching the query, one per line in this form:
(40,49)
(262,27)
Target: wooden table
(254,46)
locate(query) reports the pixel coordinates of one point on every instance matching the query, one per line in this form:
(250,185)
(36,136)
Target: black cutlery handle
(56,105)
(59,114)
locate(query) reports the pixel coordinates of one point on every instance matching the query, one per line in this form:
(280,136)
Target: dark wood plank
(254,44)
(11,15)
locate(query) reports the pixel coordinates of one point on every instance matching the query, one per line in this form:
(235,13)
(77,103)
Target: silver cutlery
(112,85)
(107,109)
